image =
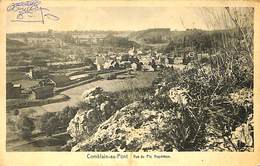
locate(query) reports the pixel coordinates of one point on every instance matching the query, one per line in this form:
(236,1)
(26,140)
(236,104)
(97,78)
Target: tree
(16,112)
(45,121)
(25,127)
(66,115)
(51,126)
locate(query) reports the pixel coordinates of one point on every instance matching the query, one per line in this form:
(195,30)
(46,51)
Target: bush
(51,126)
(25,126)
(44,124)
(218,105)
(53,122)
(66,115)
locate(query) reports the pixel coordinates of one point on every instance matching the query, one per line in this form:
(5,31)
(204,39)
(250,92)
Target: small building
(132,51)
(89,38)
(59,80)
(125,64)
(123,57)
(100,61)
(111,64)
(41,92)
(38,72)
(80,77)
(148,68)
(168,61)
(178,60)
(136,66)
(146,59)
(203,57)
(13,90)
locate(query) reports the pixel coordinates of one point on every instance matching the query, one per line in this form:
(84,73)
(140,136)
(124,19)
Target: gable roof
(59,78)
(42,89)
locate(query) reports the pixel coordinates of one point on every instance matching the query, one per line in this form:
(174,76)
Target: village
(42,82)
(49,78)
(74,90)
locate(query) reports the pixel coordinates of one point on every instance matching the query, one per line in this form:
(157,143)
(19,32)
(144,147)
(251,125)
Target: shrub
(25,126)
(44,126)
(66,115)
(51,126)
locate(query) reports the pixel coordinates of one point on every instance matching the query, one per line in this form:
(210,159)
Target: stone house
(41,92)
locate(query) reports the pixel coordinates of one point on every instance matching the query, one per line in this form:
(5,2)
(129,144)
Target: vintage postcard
(129,82)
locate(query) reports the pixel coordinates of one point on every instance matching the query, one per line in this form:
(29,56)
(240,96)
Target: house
(108,64)
(132,51)
(139,52)
(123,57)
(13,90)
(125,64)
(178,60)
(168,61)
(41,92)
(88,38)
(80,77)
(100,61)
(146,59)
(59,80)
(111,64)
(38,72)
(203,56)
(148,68)
(134,66)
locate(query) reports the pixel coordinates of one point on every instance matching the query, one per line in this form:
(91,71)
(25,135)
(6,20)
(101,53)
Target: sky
(114,18)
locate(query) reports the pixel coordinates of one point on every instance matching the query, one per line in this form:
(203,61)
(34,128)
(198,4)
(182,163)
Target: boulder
(100,108)
(89,94)
(131,128)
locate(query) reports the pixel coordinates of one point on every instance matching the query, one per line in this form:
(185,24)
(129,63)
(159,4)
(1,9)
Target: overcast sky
(115,18)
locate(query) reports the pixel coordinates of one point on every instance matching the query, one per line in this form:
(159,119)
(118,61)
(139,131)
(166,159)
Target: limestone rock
(100,107)
(131,128)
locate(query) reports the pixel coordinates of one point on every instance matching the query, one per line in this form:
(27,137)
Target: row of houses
(148,60)
(45,87)
(91,38)
(15,91)
(136,59)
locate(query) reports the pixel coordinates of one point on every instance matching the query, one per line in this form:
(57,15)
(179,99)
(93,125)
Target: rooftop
(42,89)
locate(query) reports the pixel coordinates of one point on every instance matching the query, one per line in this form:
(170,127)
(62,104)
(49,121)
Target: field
(142,79)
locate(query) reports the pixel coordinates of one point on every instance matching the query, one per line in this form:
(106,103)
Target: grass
(15,76)
(27,83)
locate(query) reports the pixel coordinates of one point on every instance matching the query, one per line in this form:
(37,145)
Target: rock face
(131,128)
(97,108)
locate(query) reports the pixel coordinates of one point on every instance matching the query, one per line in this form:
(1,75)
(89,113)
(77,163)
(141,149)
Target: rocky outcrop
(97,108)
(131,128)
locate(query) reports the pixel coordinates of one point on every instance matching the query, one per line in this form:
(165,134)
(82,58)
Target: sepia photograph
(129,78)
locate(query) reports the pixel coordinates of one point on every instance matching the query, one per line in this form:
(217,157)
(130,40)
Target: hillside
(165,38)
(158,36)
(14,43)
